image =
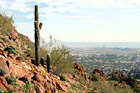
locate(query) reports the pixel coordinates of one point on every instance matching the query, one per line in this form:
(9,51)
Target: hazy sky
(78,20)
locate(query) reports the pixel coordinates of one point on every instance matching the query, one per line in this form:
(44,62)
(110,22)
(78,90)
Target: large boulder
(3,64)
(100,72)
(13,35)
(81,69)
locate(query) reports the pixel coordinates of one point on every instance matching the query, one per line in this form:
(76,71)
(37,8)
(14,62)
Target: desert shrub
(3,72)
(63,78)
(11,80)
(27,87)
(4,39)
(93,77)
(9,91)
(77,86)
(11,49)
(42,69)
(136,90)
(61,60)
(80,79)
(23,79)
(108,87)
(131,82)
(5,24)
(1,91)
(114,76)
(72,90)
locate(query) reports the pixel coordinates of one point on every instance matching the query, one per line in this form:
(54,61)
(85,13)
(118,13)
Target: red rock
(19,59)
(5,84)
(3,43)
(54,82)
(50,89)
(121,76)
(12,56)
(100,72)
(32,91)
(28,78)
(27,38)
(1,50)
(47,88)
(2,86)
(39,88)
(13,36)
(3,64)
(49,81)
(61,87)
(39,78)
(84,87)
(5,53)
(69,77)
(81,69)
(20,83)
(67,84)
(75,76)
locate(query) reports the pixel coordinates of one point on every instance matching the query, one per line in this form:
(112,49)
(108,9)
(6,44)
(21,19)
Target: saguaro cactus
(38,27)
(48,63)
(42,61)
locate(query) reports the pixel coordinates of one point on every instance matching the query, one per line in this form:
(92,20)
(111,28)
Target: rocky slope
(21,43)
(18,74)
(28,75)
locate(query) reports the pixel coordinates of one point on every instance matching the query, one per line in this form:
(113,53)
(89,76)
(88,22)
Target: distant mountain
(104,44)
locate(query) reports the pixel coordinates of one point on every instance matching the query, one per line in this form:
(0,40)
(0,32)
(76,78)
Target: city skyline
(78,20)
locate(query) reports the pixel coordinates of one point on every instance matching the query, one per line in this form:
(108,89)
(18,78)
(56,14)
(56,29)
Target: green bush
(1,91)
(63,78)
(136,90)
(93,77)
(3,71)
(27,87)
(11,49)
(114,76)
(10,91)
(5,24)
(61,60)
(77,86)
(4,39)
(11,80)
(108,87)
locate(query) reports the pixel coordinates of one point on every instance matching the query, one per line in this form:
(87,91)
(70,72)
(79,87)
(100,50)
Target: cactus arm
(40,25)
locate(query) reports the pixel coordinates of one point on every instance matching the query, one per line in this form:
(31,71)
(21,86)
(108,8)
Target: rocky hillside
(22,44)
(21,76)
(18,74)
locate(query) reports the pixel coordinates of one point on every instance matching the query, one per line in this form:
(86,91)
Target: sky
(78,20)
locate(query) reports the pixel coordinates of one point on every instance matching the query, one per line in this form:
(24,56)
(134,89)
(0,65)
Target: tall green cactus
(48,63)
(42,61)
(38,27)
